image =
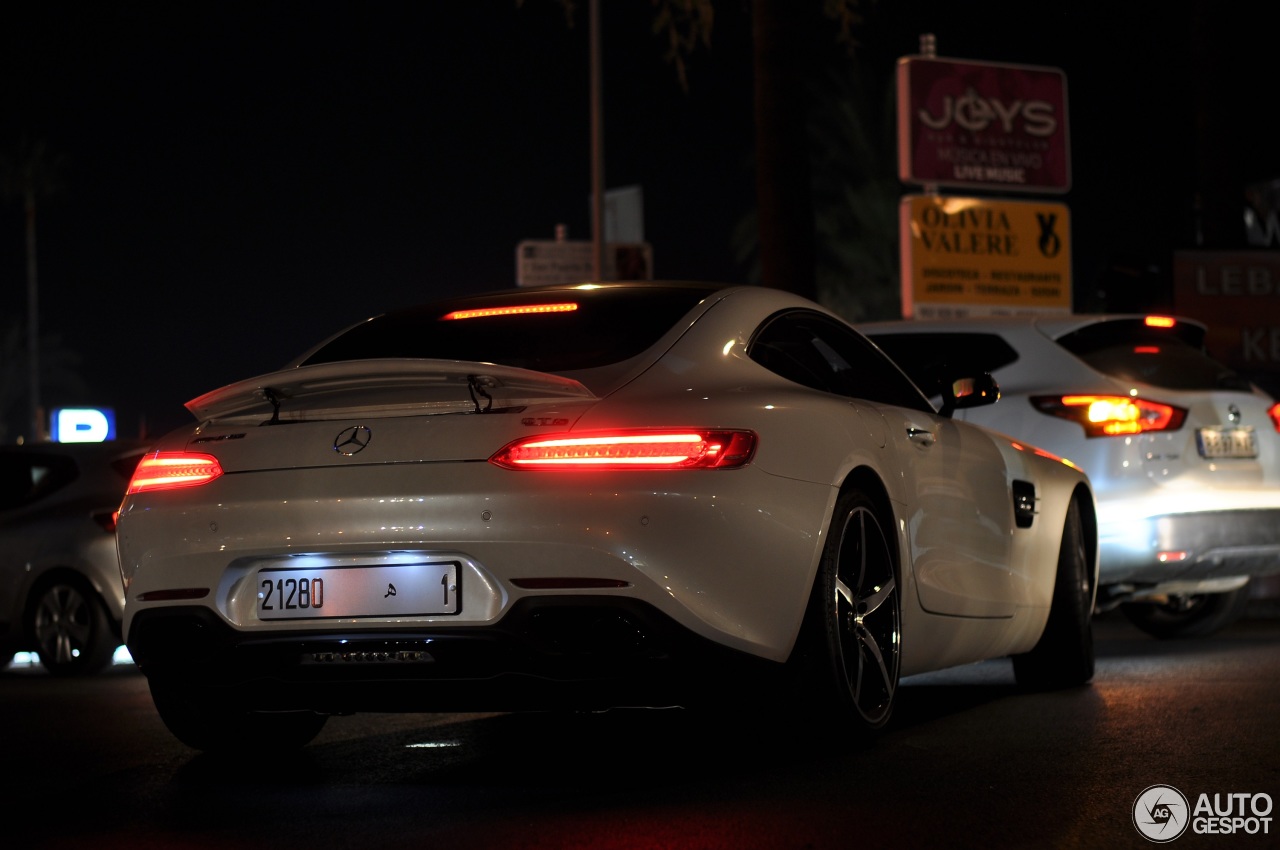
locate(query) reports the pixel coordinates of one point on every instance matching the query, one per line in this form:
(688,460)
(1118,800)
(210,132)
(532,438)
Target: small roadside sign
(554,262)
(1237,294)
(984,257)
(549,262)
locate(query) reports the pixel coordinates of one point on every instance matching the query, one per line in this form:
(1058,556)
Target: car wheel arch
(43,578)
(82,584)
(822,661)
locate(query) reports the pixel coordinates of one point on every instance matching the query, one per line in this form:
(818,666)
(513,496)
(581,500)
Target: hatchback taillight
(171,470)
(1274,412)
(1112,416)
(632,449)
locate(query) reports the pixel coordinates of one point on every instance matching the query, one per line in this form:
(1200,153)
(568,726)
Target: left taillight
(172,470)
(1112,416)
(632,449)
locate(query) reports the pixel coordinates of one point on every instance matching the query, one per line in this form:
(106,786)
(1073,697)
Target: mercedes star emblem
(352,440)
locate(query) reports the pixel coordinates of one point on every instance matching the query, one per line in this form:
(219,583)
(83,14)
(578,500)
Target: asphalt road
(969,761)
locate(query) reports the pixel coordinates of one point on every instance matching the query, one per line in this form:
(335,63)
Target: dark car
(60,590)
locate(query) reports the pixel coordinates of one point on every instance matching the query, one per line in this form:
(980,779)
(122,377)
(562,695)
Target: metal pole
(33,322)
(597,148)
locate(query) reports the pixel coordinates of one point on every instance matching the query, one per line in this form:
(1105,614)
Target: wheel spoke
(844,594)
(878,597)
(76,630)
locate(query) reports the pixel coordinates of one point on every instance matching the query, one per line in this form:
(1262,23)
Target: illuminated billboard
(984,125)
(984,257)
(82,425)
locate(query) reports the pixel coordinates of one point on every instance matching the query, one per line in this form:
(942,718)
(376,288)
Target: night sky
(241,180)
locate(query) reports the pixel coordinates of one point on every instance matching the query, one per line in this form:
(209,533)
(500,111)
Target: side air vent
(1024,503)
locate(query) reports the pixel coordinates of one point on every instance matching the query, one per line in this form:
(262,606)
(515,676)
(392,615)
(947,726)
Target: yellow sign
(984,257)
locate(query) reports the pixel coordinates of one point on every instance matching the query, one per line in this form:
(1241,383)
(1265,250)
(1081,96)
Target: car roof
(1051,325)
(107,448)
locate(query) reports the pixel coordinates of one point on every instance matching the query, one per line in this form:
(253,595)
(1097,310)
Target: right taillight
(1274,412)
(172,470)
(630,449)
(1111,415)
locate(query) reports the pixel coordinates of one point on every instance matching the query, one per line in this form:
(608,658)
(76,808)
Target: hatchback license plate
(397,590)
(1227,442)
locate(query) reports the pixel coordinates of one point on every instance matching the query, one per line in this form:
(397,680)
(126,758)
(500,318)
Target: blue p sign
(83,425)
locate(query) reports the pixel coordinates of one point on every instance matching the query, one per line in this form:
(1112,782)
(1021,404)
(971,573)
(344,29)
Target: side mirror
(969,392)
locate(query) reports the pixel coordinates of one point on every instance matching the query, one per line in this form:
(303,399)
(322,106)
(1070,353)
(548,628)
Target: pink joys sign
(982,124)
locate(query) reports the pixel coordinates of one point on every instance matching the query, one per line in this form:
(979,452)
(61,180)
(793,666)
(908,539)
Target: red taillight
(518,310)
(1112,416)
(1274,412)
(170,470)
(692,449)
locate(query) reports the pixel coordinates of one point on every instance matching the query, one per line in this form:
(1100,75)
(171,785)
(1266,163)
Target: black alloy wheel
(1189,616)
(1064,655)
(863,610)
(204,723)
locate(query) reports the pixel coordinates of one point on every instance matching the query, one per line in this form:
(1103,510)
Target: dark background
(242,179)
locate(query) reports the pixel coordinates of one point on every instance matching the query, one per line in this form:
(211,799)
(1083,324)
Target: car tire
(1064,656)
(68,626)
(849,650)
(1188,616)
(204,723)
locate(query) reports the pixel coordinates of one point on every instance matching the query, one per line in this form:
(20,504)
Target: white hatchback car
(60,590)
(1183,453)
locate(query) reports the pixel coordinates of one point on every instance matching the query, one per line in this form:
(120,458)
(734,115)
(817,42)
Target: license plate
(395,590)
(1227,442)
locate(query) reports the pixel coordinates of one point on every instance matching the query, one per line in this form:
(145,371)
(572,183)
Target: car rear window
(932,360)
(1172,358)
(26,478)
(547,331)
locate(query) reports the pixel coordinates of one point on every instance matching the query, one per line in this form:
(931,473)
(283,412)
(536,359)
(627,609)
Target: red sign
(982,125)
(1237,294)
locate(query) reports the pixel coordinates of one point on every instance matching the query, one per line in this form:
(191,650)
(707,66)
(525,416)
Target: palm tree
(782,52)
(31,172)
(60,378)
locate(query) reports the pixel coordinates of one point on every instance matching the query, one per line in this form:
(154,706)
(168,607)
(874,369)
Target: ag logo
(1161,813)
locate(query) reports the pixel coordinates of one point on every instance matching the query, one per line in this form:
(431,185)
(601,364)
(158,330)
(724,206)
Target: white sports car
(586,497)
(1184,454)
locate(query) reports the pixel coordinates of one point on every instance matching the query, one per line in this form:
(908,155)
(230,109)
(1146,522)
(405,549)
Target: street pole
(597,148)
(33,324)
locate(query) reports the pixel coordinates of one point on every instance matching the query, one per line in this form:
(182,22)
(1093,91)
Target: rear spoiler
(389,387)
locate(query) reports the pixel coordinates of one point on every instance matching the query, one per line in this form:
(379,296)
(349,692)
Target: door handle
(920,436)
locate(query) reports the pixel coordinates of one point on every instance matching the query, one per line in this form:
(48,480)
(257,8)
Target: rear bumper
(576,652)
(1205,545)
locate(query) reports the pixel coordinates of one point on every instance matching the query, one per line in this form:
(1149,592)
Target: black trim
(583,652)
(1024,503)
